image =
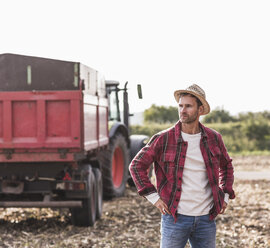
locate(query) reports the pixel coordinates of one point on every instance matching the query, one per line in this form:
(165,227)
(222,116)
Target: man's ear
(201,109)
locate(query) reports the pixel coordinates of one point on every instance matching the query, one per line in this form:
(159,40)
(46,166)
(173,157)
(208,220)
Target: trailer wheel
(114,162)
(86,216)
(99,195)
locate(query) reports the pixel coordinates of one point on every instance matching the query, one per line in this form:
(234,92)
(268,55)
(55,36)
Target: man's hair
(199,103)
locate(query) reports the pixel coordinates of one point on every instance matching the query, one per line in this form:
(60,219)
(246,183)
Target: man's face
(189,111)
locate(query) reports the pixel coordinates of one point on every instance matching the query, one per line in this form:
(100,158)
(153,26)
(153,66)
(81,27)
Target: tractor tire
(86,216)
(114,163)
(99,195)
(137,143)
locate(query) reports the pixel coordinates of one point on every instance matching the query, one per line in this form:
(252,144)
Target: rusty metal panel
(27,73)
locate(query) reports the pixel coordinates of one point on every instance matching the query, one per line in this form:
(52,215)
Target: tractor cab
(112,89)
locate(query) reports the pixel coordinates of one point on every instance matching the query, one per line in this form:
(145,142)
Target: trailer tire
(114,162)
(99,195)
(86,216)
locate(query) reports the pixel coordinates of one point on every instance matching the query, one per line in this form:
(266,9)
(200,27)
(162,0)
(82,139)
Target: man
(194,175)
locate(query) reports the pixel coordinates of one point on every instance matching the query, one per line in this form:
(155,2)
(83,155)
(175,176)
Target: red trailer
(56,149)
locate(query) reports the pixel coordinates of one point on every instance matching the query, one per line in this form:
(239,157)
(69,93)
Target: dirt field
(131,221)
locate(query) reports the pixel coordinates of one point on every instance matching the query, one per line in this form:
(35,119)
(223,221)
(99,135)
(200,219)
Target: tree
(254,116)
(258,130)
(218,116)
(161,114)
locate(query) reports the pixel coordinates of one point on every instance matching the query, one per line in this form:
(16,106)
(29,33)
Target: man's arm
(225,203)
(139,172)
(140,165)
(158,203)
(226,171)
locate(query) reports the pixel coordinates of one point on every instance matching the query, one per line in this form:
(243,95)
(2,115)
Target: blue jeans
(200,231)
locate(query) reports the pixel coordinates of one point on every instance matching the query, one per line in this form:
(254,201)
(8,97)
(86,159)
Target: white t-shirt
(196,197)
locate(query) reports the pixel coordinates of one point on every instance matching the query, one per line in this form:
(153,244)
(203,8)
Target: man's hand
(223,208)
(163,208)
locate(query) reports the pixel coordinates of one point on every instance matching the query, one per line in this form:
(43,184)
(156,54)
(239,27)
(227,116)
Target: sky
(223,46)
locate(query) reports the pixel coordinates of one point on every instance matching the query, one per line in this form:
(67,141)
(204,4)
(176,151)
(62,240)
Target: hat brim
(206,106)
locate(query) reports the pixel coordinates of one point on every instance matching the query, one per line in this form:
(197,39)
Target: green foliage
(234,136)
(245,133)
(254,116)
(251,153)
(259,132)
(149,128)
(161,114)
(249,134)
(218,115)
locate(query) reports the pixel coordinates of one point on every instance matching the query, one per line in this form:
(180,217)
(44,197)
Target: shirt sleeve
(226,173)
(153,198)
(226,198)
(140,165)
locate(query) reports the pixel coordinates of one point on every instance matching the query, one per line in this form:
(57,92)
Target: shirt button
(183,156)
(178,189)
(180,178)
(177,200)
(174,206)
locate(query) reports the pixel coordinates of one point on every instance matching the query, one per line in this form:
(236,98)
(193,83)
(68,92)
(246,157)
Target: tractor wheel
(137,142)
(86,216)
(99,195)
(114,161)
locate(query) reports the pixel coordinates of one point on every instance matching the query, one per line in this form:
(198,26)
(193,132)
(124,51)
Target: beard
(186,118)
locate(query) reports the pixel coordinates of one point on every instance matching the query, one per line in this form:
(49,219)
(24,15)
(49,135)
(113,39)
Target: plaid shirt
(167,150)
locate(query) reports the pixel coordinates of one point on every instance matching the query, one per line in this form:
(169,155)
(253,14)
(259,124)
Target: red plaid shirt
(167,150)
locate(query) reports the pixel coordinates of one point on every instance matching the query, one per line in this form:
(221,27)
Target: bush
(218,115)
(245,133)
(161,114)
(234,136)
(238,137)
(149,128)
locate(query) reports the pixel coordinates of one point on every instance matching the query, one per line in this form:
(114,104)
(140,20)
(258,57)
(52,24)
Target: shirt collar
(202,128)
(178,128)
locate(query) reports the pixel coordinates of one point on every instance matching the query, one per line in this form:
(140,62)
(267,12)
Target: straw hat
(197,91)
